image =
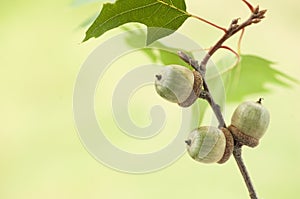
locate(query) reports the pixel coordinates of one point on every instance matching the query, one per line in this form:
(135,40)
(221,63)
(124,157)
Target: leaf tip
(87,37)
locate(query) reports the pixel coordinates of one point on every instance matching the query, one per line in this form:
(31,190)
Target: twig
(206,93)
(237,153)
(189,60)
(249,5)
(234,27)
(215,107)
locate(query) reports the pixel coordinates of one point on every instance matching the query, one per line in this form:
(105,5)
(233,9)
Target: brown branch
(215,107)
(234,27)
(237,153)
(206,93)
(256,17)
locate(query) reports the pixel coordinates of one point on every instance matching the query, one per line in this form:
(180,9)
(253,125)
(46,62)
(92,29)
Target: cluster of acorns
(210,144)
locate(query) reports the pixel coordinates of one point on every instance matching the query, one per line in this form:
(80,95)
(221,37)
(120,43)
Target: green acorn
(178,84)
(249,122)
(209,144)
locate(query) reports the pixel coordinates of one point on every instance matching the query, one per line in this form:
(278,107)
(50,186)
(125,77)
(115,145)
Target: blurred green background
(41,154)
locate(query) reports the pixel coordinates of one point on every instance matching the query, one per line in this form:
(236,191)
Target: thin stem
(237,153)
(215,107)
(231,50)
(189,60)
(240,41)
(249,5)
(210,23)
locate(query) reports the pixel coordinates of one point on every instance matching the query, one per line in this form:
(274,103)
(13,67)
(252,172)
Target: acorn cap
(229,146)
(197,87)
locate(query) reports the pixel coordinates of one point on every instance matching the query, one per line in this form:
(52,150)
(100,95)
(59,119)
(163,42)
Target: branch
(256,16)
(215,107)
(237,153)
(234,27)
(206,93)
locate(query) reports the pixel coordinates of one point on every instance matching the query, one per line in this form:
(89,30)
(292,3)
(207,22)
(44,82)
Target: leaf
(252,75)
(162,17)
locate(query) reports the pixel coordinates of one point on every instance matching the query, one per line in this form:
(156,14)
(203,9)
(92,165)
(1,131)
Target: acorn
(209,144)
(179,85)
(249,122)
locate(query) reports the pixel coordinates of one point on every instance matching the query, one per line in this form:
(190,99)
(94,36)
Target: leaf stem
(240,41)
(237,54)
(208,22)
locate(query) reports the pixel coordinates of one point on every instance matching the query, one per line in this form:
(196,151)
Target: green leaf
(252,75)
(162,17)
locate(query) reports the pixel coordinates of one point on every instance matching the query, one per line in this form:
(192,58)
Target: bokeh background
(41,155)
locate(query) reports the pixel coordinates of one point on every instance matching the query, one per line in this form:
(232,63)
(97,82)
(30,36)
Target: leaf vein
(122,13)
(166,24)
(155,11)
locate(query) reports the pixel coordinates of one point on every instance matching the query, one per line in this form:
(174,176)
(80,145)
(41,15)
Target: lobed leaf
(162,17)
(252,75)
